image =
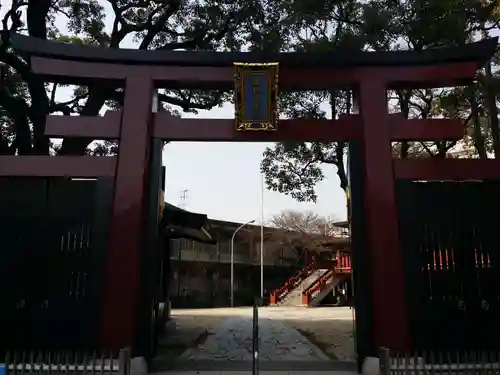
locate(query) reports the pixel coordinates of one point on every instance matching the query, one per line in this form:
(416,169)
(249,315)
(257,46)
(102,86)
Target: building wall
(201,272)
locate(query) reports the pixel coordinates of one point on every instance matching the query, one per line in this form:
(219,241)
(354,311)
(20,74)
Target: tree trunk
(404,103)
(491,107)
(340,146)
(36,15)
(477,134)
(39,110)
(341,172)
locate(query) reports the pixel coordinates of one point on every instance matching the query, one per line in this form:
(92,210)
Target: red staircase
(341,269)
(316,287)
(341,266)
(292,283)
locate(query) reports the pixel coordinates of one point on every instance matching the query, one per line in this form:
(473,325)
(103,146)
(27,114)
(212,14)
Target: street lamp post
(262,241)
(232,258)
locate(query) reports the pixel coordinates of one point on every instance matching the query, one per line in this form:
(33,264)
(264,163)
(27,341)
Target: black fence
(67,362)
(53,235)
(449,238)
(439,362)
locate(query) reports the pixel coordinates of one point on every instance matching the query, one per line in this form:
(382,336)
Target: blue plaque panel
(256,95)
(2,369)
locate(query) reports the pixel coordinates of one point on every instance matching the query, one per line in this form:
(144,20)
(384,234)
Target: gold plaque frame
(272,72)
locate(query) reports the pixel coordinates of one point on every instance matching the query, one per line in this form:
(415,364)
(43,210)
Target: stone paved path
(232,340)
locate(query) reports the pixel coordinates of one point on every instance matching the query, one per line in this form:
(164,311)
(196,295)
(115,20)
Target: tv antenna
(183,198)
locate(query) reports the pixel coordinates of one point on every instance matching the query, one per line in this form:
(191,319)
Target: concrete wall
(207,284)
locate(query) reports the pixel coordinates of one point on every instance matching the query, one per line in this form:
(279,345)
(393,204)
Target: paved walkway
(232,340)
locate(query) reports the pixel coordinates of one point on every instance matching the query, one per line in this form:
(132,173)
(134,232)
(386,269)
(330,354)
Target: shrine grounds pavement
(227,348)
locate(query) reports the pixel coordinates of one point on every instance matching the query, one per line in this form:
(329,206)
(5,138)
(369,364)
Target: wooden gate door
(451,261)
(53,234)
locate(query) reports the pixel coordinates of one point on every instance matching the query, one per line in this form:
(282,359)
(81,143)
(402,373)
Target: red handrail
(317,286)
(342,266)
(292,282)
(343,263)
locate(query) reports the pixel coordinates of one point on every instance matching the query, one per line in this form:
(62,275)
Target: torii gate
(369,74)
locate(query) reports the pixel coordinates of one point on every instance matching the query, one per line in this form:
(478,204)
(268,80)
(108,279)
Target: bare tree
(294,234)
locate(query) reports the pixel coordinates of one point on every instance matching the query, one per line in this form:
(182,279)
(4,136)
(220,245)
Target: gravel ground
(334,337)
(329,328)
(186,331)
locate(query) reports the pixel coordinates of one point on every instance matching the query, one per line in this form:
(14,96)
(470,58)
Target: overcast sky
(223,180)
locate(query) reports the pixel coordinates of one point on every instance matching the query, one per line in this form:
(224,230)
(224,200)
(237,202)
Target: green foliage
(192,25)
(293,169)
(264,25)
(390,25)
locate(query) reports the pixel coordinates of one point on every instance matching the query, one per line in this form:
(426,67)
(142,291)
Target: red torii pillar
(380,213)
(128,219)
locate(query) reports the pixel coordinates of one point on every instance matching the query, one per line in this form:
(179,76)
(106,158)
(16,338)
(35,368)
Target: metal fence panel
(67,362)
(453,362)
